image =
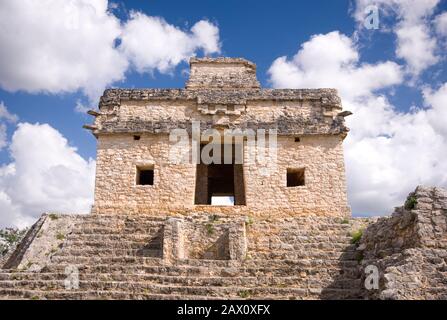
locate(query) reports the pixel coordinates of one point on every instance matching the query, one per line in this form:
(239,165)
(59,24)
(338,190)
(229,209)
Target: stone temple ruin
(159,229)
(133,129)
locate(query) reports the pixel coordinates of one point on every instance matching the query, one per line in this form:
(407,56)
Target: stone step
(335,280)
(89,260)
(111,244)
(107,222)
(122,295)
(106,259)
(91,295)
(111,230)
(305,269)
(298,255)
(122,217)
(143,251)
(119,242)
(151,288)
(154,249)
(142,282)
(302,232)
(303,237)
(139,237)
(287,224)
(295,226)
(120,225)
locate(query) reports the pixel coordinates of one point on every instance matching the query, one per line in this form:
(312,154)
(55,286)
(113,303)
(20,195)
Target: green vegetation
(356,236)
(209,228)
(345,221)
(410,203)
(60,236)
(359,257)
(53,216)
(10,237)
(28,265)
(244,294)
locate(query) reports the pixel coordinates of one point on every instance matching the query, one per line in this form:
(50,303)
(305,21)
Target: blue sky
(254,30)
(261,31)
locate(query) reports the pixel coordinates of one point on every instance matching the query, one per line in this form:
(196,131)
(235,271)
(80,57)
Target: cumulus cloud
(415,41)
(5,117)
(46,173)
(3,136)
(416,47)
(151,43)
(57,46)
(333,56)
(437,102)
(387,152)
(441,24)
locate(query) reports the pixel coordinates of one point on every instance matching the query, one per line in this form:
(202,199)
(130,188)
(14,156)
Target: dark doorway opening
(220,180)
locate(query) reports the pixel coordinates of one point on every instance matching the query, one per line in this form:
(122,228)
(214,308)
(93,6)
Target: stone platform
(221,257)
(199,257)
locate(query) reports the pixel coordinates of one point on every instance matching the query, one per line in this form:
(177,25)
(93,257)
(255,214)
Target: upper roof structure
(222,73)
(227,86)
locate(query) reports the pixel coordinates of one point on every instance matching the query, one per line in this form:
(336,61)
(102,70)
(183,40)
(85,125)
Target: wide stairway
(121,257)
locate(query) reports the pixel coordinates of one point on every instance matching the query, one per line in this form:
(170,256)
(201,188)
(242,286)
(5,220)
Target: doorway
(220,183)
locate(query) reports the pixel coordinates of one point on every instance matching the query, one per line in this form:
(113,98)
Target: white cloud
(82,107)
(333,56)
(411,11)
(57,46)
(437,114)
(387,152)
(151,43)
(416,47)
(207,36)
(415,42)
(5,116)
(45,174)
(441,24)
(3,136)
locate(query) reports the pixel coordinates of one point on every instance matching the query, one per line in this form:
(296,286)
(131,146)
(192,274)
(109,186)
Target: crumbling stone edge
(15,255)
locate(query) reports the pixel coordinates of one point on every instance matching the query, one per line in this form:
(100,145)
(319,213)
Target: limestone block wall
(222,72)
(213,237)
(118,156)
(324,191)
(409,248)
(305,111)
(116,190)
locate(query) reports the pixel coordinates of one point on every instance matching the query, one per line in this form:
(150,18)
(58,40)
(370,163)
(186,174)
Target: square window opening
(145,176)
(295,177)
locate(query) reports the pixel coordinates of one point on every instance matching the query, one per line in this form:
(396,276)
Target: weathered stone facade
(410,248)
(221,94)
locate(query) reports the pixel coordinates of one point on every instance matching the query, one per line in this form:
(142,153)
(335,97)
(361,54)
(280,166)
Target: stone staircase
(125,257)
